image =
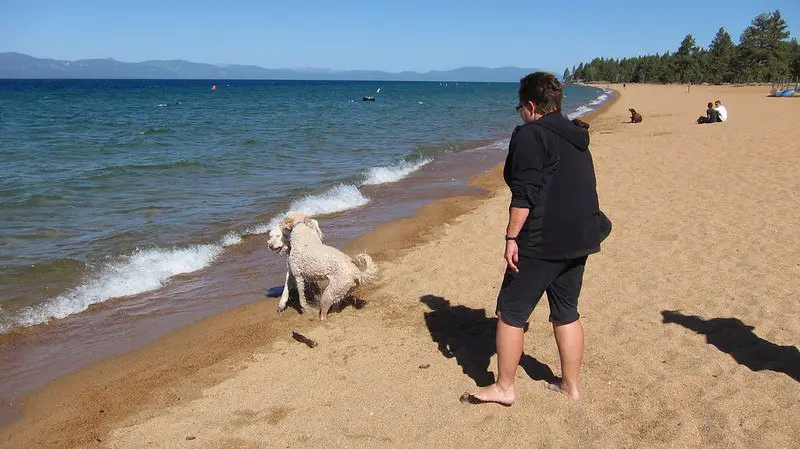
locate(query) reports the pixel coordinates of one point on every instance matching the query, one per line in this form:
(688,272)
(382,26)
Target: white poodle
(311,260)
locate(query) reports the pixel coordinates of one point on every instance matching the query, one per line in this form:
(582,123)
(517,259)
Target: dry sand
(705,218)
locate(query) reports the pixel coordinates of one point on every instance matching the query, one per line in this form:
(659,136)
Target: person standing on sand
(554,224)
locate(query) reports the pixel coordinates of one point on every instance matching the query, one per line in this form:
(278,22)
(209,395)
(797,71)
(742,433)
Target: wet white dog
(310,260)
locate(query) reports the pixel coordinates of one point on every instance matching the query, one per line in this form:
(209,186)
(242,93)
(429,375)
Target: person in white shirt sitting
(722,113)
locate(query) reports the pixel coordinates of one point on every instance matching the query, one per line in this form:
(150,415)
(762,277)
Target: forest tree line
(764,54)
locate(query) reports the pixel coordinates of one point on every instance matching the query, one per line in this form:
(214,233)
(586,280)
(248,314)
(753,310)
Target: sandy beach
(690,311)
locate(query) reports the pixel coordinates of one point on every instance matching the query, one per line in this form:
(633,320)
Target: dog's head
(279,239)
(633,111)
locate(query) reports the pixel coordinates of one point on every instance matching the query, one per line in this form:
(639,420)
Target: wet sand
(690,312)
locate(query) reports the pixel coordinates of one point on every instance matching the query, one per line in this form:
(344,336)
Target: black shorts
(520,292)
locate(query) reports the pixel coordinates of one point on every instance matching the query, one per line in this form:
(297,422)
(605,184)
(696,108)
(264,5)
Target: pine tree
(703,65)
(686,63)
(794,59)
(739,70)
(567,76)
(721,54)
(664,70)
(761,47)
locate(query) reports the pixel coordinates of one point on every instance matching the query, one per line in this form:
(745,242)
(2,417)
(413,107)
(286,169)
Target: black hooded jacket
(549,170)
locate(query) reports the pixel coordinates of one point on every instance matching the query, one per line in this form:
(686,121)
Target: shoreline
(40,354)
(81,390)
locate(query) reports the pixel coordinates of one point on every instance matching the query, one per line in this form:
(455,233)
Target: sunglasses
(519,107)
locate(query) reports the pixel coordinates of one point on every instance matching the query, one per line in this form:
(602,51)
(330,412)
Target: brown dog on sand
(635,116)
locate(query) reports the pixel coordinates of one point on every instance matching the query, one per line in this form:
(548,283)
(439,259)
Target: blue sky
(392,36)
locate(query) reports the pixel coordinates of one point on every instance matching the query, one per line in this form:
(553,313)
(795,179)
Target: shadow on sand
(313,293)
(732,336)
(468,335)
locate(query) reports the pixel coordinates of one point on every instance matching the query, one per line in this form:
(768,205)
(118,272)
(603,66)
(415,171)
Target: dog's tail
(368,268)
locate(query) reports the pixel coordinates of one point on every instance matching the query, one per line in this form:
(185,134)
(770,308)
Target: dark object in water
(367,98)
(303,339)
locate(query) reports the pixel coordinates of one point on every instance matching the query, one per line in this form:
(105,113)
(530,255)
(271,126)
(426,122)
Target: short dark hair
(543,89)
(710,105)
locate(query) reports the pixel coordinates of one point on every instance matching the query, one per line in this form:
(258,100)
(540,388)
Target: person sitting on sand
(711,115)
(553,226)
(722,113)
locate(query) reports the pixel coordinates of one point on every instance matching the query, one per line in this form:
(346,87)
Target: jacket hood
(562,126)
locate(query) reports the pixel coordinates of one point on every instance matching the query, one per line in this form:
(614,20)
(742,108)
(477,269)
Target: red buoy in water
(214,87)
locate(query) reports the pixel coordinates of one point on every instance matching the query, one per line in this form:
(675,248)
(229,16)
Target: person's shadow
(469,336)
(732,336)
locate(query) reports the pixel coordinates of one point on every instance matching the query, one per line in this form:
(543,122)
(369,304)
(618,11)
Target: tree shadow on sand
(468,335)
(732,336)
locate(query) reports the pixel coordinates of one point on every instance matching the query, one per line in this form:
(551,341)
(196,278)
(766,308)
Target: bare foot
(492,393)
(559,386)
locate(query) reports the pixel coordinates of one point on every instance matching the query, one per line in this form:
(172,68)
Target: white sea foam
(599,100)
(585,109)
(344,196)
(340,198)
(261,228)
(142,271)
(6,322)
(496,145)
(393,173)
(231,238)
(337,199)
(581,111)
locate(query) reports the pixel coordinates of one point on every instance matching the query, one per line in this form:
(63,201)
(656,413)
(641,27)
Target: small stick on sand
(303,339)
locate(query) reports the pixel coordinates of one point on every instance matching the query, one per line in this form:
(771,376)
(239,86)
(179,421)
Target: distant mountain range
(18,65)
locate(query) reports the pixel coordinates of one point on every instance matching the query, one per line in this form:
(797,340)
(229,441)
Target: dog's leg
(325,303)
(335,292)
(285,294)
(301,291)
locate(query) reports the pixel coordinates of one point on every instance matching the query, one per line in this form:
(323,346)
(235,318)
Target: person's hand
(512,255)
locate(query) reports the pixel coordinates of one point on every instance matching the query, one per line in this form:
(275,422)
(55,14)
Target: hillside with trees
(763,54)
